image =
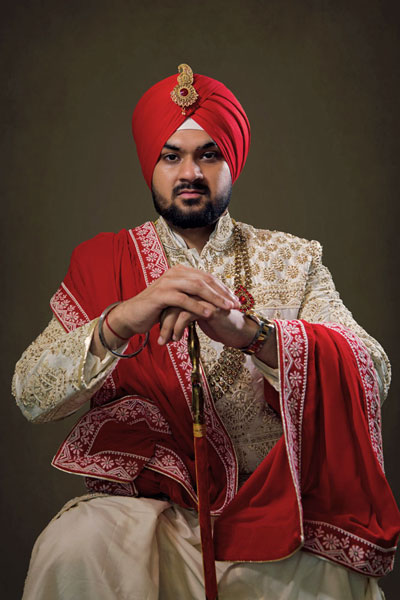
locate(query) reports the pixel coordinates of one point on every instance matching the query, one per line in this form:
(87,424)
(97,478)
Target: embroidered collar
(220,239)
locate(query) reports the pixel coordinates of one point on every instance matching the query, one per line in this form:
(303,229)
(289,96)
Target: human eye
(210,155)
(170,157)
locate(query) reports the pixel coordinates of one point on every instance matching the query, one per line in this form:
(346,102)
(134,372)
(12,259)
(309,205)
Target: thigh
(302,576)
(100,548)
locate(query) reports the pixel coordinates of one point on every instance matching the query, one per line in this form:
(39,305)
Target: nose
(190,170)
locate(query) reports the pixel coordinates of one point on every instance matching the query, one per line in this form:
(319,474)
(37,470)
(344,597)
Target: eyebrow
(177,149)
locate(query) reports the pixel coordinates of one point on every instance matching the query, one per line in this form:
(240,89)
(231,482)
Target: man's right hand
(188,289)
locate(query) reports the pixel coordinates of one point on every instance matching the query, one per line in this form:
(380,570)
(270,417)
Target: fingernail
(206,312)
(160,340)
(175,337)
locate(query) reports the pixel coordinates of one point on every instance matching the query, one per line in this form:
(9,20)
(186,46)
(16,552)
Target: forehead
(189,139)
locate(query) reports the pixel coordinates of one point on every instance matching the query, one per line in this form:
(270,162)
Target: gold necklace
(242,263)
(226,370)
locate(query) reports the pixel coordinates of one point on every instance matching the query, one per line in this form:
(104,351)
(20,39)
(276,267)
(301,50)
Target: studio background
(319,81)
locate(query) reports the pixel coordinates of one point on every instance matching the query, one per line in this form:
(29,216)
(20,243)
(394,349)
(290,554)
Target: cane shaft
(201,464)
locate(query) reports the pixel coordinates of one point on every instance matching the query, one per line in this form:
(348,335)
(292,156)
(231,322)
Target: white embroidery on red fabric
(67,309)
(154,263)
(71,315)
(167,462)
(107,392)
(321,538)
(370,386)
(345,548)
(74,455)
(221,443)
(148,245)
(115,488)
(216,433)
(293,373)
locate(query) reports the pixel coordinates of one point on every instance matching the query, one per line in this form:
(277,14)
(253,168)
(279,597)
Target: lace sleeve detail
(322,303)
(51,379)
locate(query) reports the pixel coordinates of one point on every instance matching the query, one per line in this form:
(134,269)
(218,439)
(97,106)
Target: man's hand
(230,327)
(189,293)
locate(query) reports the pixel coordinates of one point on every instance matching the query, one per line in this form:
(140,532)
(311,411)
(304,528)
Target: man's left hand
(230,327)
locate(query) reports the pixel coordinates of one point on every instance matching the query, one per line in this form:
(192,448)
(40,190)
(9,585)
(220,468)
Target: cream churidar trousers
(117,548)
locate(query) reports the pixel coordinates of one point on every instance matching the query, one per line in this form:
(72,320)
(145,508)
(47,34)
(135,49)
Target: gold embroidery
(53,363)
(48,380)
(280,285)
(278,264)
(292,271)
(321,303)
(224,372)
(284,252)
(269,274)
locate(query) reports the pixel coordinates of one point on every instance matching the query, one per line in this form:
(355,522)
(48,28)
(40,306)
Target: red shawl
(322,487)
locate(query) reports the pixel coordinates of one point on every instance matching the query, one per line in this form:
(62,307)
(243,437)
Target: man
(292,406)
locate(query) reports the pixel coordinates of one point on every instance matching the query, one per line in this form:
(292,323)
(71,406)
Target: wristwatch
(265,328)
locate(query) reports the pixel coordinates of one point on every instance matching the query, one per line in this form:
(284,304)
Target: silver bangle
(103,339)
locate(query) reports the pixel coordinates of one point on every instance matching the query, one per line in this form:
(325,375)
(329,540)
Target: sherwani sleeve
(322,304)
(57,374)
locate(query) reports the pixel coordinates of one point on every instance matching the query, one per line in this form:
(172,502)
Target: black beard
(208,215)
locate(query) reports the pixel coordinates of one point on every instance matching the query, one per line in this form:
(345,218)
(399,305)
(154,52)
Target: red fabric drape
(322,486)
(324,480)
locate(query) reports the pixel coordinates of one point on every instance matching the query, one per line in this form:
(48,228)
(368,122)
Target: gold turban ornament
(184,94)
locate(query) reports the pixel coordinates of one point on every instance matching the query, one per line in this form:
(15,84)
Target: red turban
(156,117)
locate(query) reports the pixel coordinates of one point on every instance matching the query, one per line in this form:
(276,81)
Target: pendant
(245,298)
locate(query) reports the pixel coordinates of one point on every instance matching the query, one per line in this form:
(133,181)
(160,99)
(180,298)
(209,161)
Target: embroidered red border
(293,357)
(71,315)
(370,385)
(324,539)
(154,263)
(67,309)
(111,487)
(349,550)
(75,456)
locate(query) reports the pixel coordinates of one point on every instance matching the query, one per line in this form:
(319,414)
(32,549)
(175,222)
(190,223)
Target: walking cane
(201,465)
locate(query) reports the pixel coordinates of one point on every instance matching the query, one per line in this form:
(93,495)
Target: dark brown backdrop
(320,83)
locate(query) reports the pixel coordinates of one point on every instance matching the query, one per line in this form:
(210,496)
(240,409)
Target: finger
(180,272)
(185,317)
(167,321)
(183,320)
(182,301)
(211,291)
(221,286)
(174,320)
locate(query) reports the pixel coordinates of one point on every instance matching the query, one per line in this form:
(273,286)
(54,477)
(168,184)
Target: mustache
(195,187)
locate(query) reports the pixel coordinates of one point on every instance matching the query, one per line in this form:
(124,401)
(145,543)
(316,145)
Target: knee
(70,541)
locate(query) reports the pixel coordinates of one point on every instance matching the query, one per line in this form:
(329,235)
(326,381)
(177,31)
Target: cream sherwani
(114,547)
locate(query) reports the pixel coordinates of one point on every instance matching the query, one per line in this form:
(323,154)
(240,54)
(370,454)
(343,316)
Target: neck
(196,237)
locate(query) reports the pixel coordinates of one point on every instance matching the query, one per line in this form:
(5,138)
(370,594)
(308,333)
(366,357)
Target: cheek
(224,179)
(161,179)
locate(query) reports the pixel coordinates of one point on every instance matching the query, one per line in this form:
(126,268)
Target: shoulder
(284,244)
(100,247)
